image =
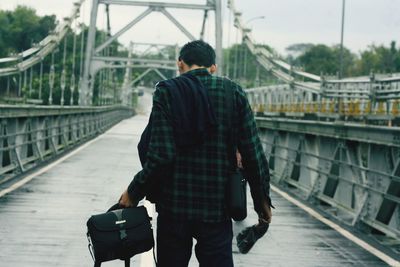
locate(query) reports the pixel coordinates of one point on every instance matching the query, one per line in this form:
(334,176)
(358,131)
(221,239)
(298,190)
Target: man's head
(196,54)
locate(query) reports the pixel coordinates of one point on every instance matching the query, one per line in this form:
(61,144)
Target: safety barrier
(351,171)
(32,135)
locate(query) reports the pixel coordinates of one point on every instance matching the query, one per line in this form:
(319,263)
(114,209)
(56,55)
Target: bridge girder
(92,62)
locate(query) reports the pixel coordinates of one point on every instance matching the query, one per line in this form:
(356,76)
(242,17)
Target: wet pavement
(43,223)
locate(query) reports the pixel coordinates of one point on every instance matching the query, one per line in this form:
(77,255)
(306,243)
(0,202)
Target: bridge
(69,130)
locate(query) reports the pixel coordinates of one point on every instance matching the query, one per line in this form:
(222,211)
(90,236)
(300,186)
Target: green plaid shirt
(195,190)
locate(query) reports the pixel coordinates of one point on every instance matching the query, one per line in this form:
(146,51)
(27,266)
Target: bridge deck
(42,223)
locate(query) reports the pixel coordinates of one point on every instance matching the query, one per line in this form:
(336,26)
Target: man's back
(196,189)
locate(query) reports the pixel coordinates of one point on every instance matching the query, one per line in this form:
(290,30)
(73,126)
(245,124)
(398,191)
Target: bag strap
(229,104)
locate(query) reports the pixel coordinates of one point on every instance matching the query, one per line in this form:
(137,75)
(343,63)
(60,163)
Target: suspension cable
(73,82)
(41,79)
(81,52)
(19,84)
(8,86)
(30,82)
(63,72)
(229,40)
(235,74)
(51,78)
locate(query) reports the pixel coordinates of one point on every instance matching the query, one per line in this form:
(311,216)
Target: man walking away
(187,161)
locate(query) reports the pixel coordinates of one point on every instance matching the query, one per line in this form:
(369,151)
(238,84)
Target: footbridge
(73,107)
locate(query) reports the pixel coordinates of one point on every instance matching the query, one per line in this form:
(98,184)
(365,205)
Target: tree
(295,50)
(380,59)
(319,58)
(21,28)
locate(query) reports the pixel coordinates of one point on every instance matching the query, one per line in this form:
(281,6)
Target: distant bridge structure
(334,143)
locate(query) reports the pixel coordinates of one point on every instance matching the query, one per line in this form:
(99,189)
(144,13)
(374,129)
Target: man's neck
(194,67)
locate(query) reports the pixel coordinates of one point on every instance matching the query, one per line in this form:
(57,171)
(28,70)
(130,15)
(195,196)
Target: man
(193,178)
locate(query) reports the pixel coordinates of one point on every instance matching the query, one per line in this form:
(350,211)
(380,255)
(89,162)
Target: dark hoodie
(192,115)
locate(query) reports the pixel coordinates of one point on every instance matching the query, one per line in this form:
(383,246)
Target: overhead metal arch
(141,76)
(92,53)
(114,65)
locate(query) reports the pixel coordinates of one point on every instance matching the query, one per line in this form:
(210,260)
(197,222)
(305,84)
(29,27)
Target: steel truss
(354,169)
(376,88)
(94,62)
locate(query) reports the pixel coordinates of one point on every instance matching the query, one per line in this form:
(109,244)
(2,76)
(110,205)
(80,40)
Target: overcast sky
(286,21)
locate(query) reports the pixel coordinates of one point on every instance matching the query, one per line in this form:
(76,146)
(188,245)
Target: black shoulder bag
(236,185)
(119,234)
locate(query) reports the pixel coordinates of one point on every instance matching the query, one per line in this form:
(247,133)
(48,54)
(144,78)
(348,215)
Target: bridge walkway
(42,223)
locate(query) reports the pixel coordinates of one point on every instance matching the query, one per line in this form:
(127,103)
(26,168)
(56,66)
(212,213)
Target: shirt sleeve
(254,162)
(162,150)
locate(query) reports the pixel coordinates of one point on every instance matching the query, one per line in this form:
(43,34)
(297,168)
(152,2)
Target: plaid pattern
(196,188)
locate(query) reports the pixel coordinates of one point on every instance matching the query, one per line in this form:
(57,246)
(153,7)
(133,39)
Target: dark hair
(197,52)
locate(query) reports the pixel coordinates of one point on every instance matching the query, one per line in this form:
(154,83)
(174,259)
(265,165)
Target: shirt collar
(199,72)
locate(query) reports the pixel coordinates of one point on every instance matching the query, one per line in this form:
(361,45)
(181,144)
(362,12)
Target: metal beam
(157,4)
(160,74)
(145,73)
(139,77)
(87,83)
(203,27)
(154,44)
(124,29)
(136,60)
(218,37)
(177,24)
(139,66)
(380,135)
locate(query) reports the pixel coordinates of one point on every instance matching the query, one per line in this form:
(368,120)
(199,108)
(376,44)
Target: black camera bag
(119,234)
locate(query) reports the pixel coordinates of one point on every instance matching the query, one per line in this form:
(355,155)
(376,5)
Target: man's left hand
(125,201)
(266,213)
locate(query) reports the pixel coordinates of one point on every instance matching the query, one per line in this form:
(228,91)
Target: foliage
(380,59)
(22,28)
(324,59)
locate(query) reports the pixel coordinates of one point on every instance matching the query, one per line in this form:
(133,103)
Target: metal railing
(32,135)
(281,100)
(349,170)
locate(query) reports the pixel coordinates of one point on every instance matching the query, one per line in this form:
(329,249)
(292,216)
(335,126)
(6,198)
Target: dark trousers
(175,240)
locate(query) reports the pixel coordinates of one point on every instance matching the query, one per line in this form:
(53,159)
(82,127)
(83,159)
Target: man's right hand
(125,201)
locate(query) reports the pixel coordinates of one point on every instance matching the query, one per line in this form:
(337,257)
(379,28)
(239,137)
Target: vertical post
(88,80)
(72,85)
(245,62)
(341,41)
(81,65)
(41,79)
(25,83)
(218,36)
(19,84)
(30,82)
(236,62)
(229,40)
(257,82)
(8,86)
(176,57)
(203,27)
(63,72)
(51,79)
